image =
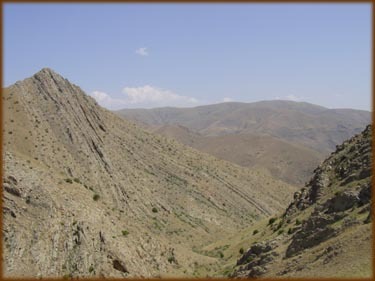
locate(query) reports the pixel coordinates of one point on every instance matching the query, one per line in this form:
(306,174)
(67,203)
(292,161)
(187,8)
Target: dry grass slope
(289,162)
(87,193)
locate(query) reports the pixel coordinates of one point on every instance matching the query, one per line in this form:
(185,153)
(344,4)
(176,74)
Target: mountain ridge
(310,125)
(292,163)
(87,193)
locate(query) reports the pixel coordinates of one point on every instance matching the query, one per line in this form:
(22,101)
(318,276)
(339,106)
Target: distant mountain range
(313,126)
(286,138)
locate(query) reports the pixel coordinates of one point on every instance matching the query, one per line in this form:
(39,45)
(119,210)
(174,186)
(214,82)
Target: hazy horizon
(243,102)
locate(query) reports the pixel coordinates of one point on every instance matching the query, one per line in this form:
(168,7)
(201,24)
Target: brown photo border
(185,2)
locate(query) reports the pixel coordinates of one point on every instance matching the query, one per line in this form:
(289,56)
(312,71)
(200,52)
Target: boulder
(343,201)
(365,194)
(257,271)
(12,189)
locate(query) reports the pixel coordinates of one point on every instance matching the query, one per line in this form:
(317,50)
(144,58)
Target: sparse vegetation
(171,259)
(192,186)
(249,259)
(68,180)
(271,221)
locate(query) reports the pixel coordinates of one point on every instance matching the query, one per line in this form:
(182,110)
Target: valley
(288,139)
(87,191)
(160,193)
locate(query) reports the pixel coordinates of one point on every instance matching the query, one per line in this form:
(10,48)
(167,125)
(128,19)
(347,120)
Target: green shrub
(279,226)
(290,231)
(68,180)
(298,222)
(249,259)
(96,197)
(271,221)
(91,269)
(339,192)
(255,231)
(171,259)
(125,233)
(281,231)
(221,255)
(154,210)
(77,180)
(242,251)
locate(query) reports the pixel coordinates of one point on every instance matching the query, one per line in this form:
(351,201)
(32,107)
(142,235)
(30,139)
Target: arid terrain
(288,139)
(161,193)
(326,230)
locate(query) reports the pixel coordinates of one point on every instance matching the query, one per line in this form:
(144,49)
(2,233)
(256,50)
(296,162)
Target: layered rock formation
(326,230)
(87,193)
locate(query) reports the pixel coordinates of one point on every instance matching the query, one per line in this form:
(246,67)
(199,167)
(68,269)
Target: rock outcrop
(334,206)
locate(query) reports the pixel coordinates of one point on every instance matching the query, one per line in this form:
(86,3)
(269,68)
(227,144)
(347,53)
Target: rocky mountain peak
(47,71)
(48,76)
(82,182)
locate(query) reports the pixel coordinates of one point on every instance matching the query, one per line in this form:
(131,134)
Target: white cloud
(107,101)
(148,96)
(227,99)
(290,97)
(142,51)
(144,97)
(293,98)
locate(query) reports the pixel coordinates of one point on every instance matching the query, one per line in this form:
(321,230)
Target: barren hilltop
(87,193)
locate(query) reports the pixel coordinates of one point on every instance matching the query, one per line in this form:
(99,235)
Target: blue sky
(150,55)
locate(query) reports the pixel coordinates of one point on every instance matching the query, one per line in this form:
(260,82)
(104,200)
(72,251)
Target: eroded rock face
(255,251)
(342,201)
(332,202)
(256,258)
(10,185)
(365,194)
(314,231)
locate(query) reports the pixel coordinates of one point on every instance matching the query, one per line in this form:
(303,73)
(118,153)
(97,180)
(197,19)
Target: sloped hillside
(326,229)
(87,193)
(289,162)
(312,126)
